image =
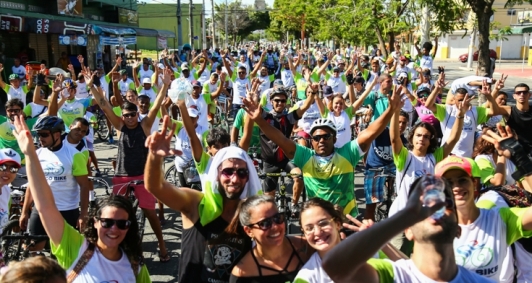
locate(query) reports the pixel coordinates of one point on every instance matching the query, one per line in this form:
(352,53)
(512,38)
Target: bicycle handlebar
(26,237)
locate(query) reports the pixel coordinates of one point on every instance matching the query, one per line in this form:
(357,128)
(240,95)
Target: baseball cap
(13,77)
(465,164)
(340,61)
(402,75)
(327,91)
(192,112)
(402,58)
(277,82)
(143,95)
(7,155)
(196,84)
(184,66)
(122,72)
(146,81)
(336,69)
(160,66)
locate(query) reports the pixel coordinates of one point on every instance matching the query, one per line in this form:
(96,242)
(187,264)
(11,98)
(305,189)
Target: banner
(128,17)
(10,23)
(33,25)
(70,7)
(107,40)
(162,43)
(74,40)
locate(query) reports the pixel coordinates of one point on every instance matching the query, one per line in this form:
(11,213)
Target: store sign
(70,7)
(10,23)
(128,17)
(12,5)
(74,40)
(56,27)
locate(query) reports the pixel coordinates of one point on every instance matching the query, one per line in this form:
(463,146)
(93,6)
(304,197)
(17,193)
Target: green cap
(13,77)
(122,72)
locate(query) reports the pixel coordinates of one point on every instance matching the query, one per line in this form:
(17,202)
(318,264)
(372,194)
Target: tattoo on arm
(103,102)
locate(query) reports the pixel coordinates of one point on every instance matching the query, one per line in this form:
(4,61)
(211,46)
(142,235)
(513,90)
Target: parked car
(463,58)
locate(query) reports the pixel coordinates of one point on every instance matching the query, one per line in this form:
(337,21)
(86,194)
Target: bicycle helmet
(423,89)
(50,123)
(322,123)
(70,84)
(13,77)
(278,90)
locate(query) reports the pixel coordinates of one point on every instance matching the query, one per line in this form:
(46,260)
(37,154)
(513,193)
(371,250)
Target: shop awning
(166,33)
(146,32)
(113,30)
(521,29)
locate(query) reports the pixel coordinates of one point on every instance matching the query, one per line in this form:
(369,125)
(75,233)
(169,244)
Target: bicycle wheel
(171,176)
(103,130)
(10,248)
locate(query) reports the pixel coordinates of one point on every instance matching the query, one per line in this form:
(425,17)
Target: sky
(269,3)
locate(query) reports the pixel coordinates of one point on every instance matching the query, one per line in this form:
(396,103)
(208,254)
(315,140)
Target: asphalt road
(167,272)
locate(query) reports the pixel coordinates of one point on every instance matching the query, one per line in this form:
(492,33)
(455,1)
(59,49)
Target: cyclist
(132,153)
(67,175)
(208,253)
(329,172)
(125,83)
(432,260)
(240,82)
(9,166)
(201,101)
(15,89)
(109,247)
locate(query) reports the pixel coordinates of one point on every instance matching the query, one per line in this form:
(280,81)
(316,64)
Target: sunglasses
(242,173)
(267,223)
(43,135)
(129,115)
(325,137)
(241,73)
(12,169)
(522,92)
(120,224)
(13,110)
(279,100)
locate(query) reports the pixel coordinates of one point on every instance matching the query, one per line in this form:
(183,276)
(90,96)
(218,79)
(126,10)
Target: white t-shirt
(312,272)
(150,93)
(287,77)
(426,61)
(37,109)
(405,271)
(125,86)
(337,84)
(463,83)
(20,71)
(484,244)
(90,136)
(19,93)
(202,107)
(81,90)
(239,90)
(343,128)
(145,74)
(59,168)
(182,142)
(266,82)
(311,115)
(523,258)
(5,197)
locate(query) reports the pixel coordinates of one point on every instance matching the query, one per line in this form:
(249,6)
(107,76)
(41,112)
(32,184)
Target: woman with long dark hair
(108,249)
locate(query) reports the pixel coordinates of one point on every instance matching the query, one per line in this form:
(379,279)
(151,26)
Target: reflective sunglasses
(129,115)
(120,224)
(522,92)
(325,137)
(43,135)
(279,100)
(242,173)
(267,223)
(12,169)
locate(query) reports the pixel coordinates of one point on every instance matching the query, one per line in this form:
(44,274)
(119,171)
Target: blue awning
(113,30)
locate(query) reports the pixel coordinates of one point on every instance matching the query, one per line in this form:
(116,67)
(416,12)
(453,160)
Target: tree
(237,18)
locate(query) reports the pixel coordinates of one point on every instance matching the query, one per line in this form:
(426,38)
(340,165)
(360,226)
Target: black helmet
(50,123)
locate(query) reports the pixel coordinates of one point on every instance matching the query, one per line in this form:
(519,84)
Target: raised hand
(500,83)
(167,80)
(505,133)
(159,143)
(357,225)
(71,68)
(23,135)
(167,102)
(395,100)
(58,84)
(136,65)
(119,61)
(252,107)
(464,105)
(80,59)
(485,88)
(1,67)
(115,77)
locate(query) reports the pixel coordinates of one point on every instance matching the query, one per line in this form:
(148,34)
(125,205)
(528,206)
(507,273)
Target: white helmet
(322,122)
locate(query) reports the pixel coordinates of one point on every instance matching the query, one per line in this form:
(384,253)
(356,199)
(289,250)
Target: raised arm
(360,101)
(493,108)
(376,127)
(180,199)
(72,72)
(37,99)
(116,66)
(53,106)
(395,136)
(276,136)
(106,107)
(438,86)
(308,101)
(323,67)
(321,106)
(115,79)
(226,64)
(51,219)
(435,47)
(147,122)
(247,133)
(258,65)
(195,143)
(135,75)
(416,45)
(221,87)
(456,131)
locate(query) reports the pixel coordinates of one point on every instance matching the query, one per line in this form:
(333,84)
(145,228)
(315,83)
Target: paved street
(167,272)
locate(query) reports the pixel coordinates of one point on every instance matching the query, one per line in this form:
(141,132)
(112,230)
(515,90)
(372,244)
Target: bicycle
(100,128)
(281,199)
(17,247)
(383,208)
(220,116)
(254,154)
(190,173)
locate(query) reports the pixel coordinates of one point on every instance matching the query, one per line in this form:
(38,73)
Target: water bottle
(433,193)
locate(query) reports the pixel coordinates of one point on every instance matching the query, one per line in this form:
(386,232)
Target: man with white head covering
(231,177)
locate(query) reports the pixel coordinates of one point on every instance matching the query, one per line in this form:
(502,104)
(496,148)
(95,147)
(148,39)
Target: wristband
(459,117)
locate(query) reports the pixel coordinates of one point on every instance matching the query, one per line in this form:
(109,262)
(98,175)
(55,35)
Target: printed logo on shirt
(385,153)
(475,256)
(468,124)
(223,257)
(419,173)
(53,171)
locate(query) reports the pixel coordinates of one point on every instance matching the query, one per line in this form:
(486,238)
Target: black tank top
(208,254)
(283,276)
(519,121)
(132,153)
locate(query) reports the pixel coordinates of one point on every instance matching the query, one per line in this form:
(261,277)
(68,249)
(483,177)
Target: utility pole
(213,26)
(225,24)
(190,24)
(203,27)
(179,32)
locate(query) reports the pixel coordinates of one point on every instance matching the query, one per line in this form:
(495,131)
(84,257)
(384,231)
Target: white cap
(146,81)
(160,65)
(184,66)
(192,112)
(8,154)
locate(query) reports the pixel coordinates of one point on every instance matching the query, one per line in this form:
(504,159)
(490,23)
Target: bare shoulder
(246,267)
(302,247)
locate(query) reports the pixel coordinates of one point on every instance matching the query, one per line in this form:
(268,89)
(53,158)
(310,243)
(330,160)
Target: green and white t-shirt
(72,109)
(487,166)
(483,245)
(124,86)
(338,84)
(266,82)
(343,125)
(239,88)
(239,124)
(99,268)
(151,93)
(60,169)
(182,143)
(202,105)
(33,110)
(405,271)
(331,178)
(7,139)
(301,86)
(446,114)
(409,168)
(203,166)
(19,92)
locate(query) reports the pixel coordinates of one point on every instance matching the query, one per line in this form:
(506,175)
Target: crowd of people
(301,108)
